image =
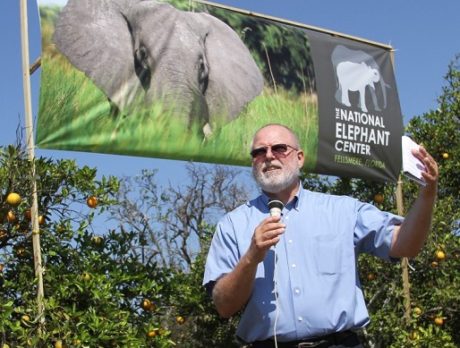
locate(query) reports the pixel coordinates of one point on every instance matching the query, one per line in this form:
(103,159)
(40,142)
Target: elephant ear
(234,78)
(95,38)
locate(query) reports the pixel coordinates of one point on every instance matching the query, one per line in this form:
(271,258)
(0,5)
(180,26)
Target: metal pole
(31,156)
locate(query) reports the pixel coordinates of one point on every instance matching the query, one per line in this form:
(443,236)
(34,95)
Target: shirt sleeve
(374,230)
(223,253)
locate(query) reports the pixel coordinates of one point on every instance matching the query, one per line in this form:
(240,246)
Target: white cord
(275,281)
(275,210)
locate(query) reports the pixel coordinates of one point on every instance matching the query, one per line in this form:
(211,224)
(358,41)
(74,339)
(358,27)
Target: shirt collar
(298,196)
(294,203)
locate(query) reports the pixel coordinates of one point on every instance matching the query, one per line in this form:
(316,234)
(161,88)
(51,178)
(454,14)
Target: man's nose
(269,154)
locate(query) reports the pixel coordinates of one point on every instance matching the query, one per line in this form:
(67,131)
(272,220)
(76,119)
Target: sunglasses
(278,150)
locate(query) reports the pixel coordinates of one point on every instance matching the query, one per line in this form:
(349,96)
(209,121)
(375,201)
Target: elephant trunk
(384,87)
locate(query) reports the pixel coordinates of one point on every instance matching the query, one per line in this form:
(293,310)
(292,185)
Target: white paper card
(412,166)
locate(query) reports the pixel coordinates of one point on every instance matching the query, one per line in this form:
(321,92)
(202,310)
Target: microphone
(275,207)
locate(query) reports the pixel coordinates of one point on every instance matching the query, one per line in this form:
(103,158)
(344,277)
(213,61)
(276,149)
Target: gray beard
(278,182)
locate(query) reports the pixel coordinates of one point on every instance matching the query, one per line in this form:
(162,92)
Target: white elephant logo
(356,71)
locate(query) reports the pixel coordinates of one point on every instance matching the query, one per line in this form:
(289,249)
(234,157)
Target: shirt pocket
(328,251)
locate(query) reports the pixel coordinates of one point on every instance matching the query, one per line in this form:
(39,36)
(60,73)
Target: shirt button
(294,265)
(290,241)
(297,291)
(299,318)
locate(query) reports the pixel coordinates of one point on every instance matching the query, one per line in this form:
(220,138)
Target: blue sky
(425,35)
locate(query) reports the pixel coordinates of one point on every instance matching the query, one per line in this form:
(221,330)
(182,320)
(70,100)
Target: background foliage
(137,282)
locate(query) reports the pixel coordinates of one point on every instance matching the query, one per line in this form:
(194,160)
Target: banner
(193,81)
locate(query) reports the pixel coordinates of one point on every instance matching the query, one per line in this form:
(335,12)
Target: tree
(136,285)
(436,272)
(170,223)
(93,285)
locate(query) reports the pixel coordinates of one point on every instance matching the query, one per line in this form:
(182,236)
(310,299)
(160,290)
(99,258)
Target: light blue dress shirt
(316,276)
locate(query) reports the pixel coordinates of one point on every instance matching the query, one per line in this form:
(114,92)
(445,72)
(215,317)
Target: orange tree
(435,274)
(135,282)
(94,286)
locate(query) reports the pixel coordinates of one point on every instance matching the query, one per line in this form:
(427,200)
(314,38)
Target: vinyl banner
(193,81)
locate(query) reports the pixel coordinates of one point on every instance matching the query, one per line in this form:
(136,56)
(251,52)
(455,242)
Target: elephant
(148,51)
(355,71)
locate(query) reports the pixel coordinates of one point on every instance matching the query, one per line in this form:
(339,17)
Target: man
(296,276)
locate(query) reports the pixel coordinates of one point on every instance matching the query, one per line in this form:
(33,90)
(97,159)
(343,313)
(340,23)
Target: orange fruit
(147,305)
(414,335)
(440,255)
(378,198)
(152,333)
(11,217)
(439,321)
(41,220)
(92,201)
(96,240)
(13,199)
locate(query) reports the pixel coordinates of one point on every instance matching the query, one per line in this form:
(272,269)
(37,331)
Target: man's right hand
(232,291)
(266,234)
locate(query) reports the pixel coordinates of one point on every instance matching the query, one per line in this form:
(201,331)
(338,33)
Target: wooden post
(404,261)
(31,156)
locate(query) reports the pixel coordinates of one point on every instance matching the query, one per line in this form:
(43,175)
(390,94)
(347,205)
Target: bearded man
(295,276)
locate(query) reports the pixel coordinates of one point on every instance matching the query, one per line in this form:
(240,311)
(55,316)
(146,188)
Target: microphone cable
(275,285)
(275,207)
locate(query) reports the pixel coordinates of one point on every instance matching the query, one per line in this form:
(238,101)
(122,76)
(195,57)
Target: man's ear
(300,158)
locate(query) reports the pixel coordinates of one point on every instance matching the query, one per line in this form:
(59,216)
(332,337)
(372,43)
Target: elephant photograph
(168,79)
(180,58)
(357,71)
